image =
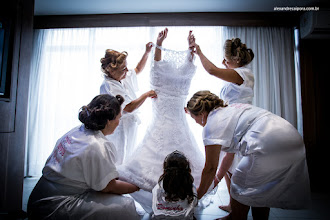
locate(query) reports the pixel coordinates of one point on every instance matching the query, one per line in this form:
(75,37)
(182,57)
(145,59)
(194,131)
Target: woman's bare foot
(226,208)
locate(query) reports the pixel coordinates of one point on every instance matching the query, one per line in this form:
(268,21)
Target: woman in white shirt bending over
(79,180)
(175,195)
(238,88)
(119,80)
(273,170)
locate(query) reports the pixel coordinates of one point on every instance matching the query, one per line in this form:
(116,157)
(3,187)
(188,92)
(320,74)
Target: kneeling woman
(273,170)
(79,178)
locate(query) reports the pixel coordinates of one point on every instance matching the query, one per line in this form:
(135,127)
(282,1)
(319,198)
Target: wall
(14,111)
(169,19)
(314,84)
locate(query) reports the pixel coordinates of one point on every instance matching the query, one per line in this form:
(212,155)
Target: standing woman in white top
(79,180)
(238,88)
(239,79)
(119,80)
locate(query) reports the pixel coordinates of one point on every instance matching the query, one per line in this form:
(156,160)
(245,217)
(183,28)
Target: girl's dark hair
(177,178)
(101,109)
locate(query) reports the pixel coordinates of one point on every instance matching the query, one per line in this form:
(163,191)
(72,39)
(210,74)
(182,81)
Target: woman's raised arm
(161,37)
(140,66)
(228,75)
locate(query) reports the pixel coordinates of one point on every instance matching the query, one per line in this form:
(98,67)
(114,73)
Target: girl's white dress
(124,137)
(168,129)
(273,170)
(163,209)
(81,164)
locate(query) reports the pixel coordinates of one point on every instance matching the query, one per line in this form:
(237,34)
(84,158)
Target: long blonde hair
(204,101)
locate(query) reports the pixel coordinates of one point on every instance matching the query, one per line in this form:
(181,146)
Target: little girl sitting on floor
(175,195)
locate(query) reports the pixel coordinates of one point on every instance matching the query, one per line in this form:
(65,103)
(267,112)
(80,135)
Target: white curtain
(66,75)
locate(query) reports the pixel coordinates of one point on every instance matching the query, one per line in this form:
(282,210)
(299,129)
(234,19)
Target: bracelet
(216,176)
(157,46)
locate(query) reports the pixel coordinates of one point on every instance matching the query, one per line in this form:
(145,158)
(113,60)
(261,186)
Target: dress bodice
(172,75)
(171,78)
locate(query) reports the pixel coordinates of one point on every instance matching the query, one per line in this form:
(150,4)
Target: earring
(203,120)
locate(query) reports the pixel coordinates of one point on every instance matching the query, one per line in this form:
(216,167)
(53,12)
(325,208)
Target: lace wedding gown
(168,130)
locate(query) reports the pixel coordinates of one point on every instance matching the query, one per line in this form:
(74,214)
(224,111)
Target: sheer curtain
(66,75)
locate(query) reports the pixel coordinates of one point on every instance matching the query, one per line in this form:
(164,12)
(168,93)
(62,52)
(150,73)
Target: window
(67,75)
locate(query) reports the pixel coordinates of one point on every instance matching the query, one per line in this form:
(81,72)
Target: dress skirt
(124,137)
(273,170)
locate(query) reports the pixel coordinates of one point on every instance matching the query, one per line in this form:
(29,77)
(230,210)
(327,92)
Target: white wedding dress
(168,129)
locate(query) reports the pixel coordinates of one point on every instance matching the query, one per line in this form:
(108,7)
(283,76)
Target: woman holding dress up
(79,180)
(119,80)
(272,171)
(238,77)
(237,89)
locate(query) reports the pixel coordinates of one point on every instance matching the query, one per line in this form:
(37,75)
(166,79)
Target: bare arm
(120,187)
(161,37)
(140,66)
(135,104)
(227,161)
(228,75)
(158,54)
(212,153)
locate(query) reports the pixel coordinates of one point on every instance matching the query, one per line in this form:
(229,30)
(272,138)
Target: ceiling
(74,7)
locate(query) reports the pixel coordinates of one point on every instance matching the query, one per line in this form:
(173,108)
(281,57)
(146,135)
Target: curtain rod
(287,19)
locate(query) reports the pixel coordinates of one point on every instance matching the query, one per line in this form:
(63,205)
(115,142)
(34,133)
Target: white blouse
(233,93)
(83,159)
(126,87)
(226,126)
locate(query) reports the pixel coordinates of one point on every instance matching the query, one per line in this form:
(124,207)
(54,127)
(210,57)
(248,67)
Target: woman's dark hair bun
(236,43)
(120,99)
(101,109)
